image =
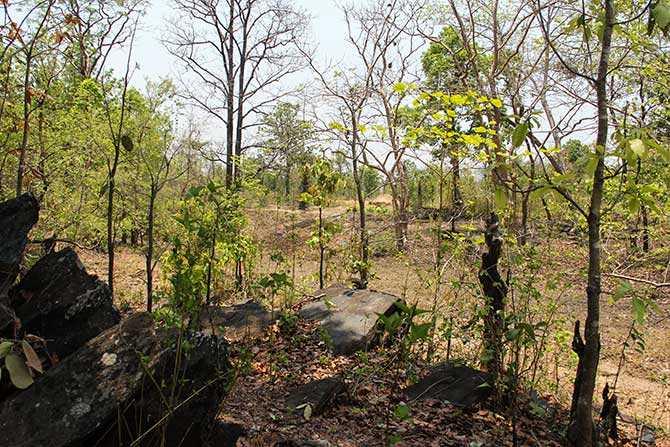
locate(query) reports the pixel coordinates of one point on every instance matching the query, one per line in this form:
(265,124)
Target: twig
(657,285)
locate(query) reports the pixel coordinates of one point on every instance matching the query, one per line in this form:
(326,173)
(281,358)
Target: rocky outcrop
(60,302)
(459,385)
(349,316)
(17,217)
(129,384)
(238,322)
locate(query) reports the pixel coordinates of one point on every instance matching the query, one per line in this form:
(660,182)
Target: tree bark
(364,249)
(322,250)
(495,291)
(581,431)
(230,111)
(150,247)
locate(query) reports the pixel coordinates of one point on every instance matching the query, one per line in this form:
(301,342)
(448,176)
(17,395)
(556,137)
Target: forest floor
(554,292)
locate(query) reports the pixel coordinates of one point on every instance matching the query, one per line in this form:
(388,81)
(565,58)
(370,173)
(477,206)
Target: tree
(387,42)
(119,140)
(95,28)
(286,139)
(237,52)
(595,36)
(325,182)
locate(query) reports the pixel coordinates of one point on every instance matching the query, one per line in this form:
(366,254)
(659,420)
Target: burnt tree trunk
(495,291)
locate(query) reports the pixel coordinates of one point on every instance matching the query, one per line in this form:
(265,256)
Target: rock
(60,302)
(349,316)
(114,378)
(319,394)
(238,322)
(459,385)
(227,433)
(647,436)
(17,217)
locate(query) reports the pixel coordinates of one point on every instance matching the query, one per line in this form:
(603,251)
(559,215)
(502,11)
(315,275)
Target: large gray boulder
(118,388)
(60,302)
(17,217)
(349,316)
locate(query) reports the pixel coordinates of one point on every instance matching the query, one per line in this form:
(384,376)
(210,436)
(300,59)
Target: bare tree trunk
(645,229)
(495,291)
(110,218)
(26,125)
(230,111)
(322,250)
(581,431)
(364,249)
(150,247)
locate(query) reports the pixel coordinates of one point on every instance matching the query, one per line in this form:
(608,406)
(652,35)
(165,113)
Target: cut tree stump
(237,322)
(459,385)
(17,217)
(349,316)
(113,380)
(60,302)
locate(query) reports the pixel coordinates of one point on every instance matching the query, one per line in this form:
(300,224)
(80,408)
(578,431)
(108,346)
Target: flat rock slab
(60,302)
(349,316)
(17,217)
(113,380)
(319,394)
(237,322)
(459,385)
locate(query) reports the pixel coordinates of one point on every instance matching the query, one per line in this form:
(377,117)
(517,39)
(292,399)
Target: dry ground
(643,384)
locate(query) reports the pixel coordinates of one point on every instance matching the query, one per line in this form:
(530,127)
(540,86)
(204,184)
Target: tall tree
(235,53)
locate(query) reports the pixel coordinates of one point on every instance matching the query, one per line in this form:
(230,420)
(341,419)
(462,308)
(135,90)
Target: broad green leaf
(638,147)
(500,199)
(5,348)
(519,134)
(18,371)
(419,331)
(639,309)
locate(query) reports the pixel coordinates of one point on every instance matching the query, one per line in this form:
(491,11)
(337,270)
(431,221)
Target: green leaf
(639,309)
(401,412)
(661,14)
(638,147)
(419,331)
(519,134)
(622,290)
(500,199)
(18,371)
(633,205)
(5,348)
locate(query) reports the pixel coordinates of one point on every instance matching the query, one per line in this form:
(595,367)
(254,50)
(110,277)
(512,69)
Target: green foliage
(210,236)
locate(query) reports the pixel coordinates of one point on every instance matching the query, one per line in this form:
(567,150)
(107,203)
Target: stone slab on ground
(318,394)
(237,322)
(113,379)
(17,217)
(459,385)
(60,302)
(349,316)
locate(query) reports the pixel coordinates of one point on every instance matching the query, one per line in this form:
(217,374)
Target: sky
(154,61)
